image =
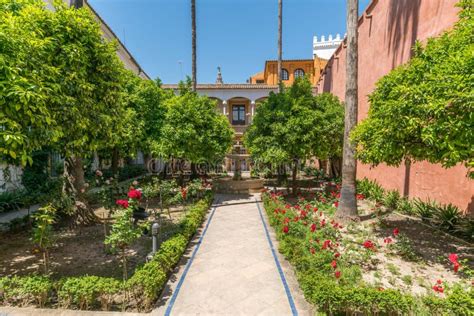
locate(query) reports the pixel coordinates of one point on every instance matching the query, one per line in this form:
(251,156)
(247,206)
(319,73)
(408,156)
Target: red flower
(303,214)
(327,244)
(313,227)
(456,267)
(286,229)
(439,282)
(184,193)
(336,204)
(122,203)
(438,288)
(312,250)
(334,264)
(286,220)
(388,240)
(323,223)
(287,206)
(337,274)
(453,258)
(396,231)
(369,245)
(135,194)
(360,196)
(307,206)
(337,255)
(315,209)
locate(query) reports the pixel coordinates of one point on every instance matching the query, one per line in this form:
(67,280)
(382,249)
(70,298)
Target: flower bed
(94,292)
(330,264)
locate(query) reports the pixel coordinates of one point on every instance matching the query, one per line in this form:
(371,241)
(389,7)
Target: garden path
(233,267)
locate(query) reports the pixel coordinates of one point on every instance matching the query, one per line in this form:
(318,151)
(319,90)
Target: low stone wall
(245,186)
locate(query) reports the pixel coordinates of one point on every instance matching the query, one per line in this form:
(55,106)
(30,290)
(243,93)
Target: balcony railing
(240,129)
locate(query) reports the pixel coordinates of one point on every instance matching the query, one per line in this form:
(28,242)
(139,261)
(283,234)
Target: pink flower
(396,231)
(135,194)
(122,203)
(337,274)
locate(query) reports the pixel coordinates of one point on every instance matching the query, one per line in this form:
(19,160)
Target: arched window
(299,73)
(284,74)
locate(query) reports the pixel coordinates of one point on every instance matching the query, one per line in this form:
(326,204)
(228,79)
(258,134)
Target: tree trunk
(146,161)
(193,35)
(124,264)
(348,203)
(194,172)
(293,177)
(115,161)
(74,187)
(280,49)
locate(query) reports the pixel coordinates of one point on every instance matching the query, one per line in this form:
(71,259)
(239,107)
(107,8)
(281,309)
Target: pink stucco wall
(387,31)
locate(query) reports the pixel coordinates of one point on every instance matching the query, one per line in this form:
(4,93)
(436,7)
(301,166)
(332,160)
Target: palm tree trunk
(193,32)
(348,203)
(280,50)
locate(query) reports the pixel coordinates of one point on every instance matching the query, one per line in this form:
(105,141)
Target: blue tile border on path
(277,262)
(188,265)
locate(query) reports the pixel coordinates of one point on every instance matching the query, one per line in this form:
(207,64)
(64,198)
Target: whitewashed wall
(12,181)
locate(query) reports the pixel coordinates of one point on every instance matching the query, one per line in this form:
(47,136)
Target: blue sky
(238,35)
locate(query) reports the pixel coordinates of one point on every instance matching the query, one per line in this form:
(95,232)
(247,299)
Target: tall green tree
(328,131)
(283,127)
(70,95)
(348,204)
(424,110)
(28,81)
(194,130)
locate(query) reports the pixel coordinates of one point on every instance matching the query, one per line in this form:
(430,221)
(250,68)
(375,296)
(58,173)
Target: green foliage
(424,209)
(370,189)
(447,216)
(294,124)
(194,130)
(87,292)
(391,199)
(424,110)
(123,232)
(25,290)
(44,219)
(349,294)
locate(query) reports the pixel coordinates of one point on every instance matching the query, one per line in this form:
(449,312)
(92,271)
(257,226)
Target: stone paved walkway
(233,271)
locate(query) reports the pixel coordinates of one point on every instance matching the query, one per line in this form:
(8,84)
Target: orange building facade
(291,69)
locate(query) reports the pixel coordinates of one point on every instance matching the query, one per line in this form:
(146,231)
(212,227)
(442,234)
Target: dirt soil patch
(79,251)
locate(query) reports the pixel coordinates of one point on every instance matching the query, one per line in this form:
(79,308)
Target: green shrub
(146,283)
(447,216)
(86,292)
(370,189)
(404,206)
(423,209)
(391,199)
(25,290)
